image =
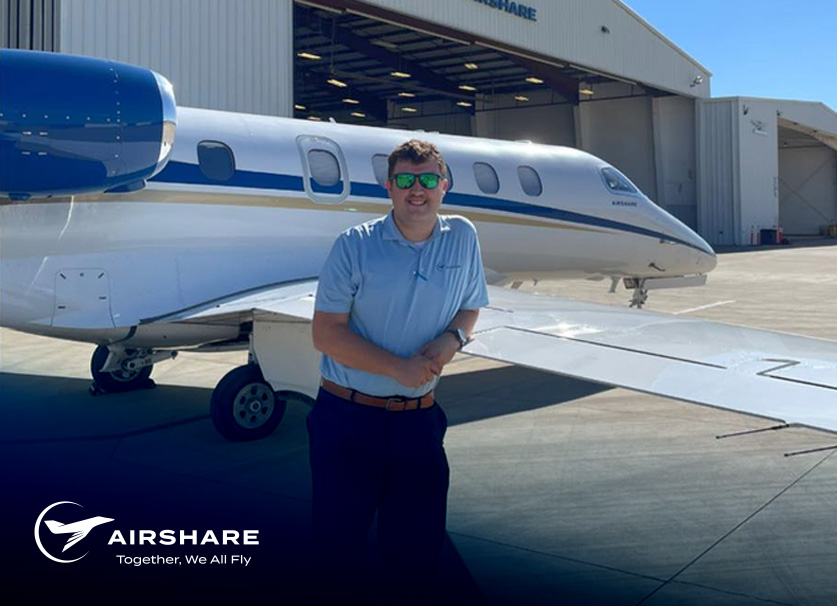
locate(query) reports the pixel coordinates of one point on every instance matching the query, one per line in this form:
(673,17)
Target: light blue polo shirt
(399,295)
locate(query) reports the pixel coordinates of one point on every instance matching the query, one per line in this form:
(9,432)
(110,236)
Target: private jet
(146,229)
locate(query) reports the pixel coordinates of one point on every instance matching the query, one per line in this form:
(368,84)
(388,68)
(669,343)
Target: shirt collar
(391,231)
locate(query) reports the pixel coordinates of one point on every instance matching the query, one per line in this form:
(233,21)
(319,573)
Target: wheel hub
(254,403)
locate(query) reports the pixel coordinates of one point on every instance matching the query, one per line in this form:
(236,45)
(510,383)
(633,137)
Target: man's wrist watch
(460,336)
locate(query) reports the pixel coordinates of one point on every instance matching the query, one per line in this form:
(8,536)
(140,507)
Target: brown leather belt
(392,404)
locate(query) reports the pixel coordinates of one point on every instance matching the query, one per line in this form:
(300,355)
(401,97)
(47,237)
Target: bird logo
(76,530)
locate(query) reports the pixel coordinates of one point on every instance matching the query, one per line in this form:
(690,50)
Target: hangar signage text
(513,8)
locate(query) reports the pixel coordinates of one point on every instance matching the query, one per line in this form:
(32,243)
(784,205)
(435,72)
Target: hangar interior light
(585,88)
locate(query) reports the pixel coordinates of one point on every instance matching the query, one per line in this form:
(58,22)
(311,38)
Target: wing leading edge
(779,376)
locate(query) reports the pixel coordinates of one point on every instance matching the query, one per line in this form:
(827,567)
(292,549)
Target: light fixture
(533,80)
(409,110)
(301,108)
(358,114)
(406,94)
(467,87)
(337,83)
(472,66)
(397,74)
(315,118)
(585,89)
(521,98)
(697,81)
(464,104)
(351,101)
(310,56)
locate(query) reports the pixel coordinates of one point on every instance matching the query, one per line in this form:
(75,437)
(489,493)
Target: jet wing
(769,374)
(780,376)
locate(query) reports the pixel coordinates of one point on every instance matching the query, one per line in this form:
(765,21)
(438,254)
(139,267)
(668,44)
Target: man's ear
(445,185)
(388,185)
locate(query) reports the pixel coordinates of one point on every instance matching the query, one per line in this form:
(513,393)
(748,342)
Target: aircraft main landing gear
(244,406)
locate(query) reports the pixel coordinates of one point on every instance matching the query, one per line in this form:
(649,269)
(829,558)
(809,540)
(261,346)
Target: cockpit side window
(617,182)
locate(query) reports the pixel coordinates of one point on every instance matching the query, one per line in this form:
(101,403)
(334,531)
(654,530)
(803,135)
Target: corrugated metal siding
(29,24)
(570,31)
(718,179)
(218,54)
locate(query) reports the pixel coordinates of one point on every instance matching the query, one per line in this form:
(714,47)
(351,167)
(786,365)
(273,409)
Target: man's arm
(333,336)
(442,349)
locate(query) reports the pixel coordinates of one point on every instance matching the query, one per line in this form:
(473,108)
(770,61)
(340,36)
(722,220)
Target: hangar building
(591,74)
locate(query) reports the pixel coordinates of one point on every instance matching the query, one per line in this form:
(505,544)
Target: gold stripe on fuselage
(160,196)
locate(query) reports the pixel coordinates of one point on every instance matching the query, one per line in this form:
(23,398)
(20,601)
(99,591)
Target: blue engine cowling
(72,125)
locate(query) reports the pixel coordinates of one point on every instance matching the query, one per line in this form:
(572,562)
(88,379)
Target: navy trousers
(365,459)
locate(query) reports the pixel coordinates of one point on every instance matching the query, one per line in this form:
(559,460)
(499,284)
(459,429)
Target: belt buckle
(398,399)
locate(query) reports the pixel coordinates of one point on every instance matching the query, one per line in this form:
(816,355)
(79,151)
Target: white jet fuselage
(100,267)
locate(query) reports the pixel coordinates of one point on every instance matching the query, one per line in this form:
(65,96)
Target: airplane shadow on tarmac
(161,441)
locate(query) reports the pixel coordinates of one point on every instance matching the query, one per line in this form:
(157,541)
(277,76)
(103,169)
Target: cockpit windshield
(617,182)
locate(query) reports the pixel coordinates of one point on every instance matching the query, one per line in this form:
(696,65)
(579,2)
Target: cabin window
(486,178)
(380,166)
(325,169)
(530,181)
(216,160)
(325,175)
(617,182)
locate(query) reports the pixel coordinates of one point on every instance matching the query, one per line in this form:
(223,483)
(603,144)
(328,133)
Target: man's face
(416,207)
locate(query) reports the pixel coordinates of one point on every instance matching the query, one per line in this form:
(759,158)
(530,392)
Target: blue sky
(755,48)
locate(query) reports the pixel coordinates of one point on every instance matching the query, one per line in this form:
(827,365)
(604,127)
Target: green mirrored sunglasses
(407,180)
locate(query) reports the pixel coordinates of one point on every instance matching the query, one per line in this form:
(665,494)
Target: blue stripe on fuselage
(182,172)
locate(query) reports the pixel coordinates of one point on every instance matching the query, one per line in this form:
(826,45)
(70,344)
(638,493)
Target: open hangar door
(420,76)
(807,182)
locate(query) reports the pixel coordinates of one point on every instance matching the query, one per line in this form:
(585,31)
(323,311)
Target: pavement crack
(737,526)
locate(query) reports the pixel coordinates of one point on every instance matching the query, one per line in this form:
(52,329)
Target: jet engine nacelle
(72,125)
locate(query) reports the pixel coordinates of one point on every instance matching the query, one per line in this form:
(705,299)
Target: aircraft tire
(243,405)
(119,381)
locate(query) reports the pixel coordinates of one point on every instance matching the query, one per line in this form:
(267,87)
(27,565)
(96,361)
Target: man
(398,297)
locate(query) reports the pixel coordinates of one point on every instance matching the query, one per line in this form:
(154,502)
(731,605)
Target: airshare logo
(76,530)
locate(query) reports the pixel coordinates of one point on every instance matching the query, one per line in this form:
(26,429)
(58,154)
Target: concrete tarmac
(562,491)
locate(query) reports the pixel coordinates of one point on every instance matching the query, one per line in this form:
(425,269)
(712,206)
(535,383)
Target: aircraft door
(325,175)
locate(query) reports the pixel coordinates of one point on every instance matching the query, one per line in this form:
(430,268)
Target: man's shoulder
(364,231)
(459,225)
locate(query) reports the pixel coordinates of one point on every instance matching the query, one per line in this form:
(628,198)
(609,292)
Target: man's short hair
(417,151)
